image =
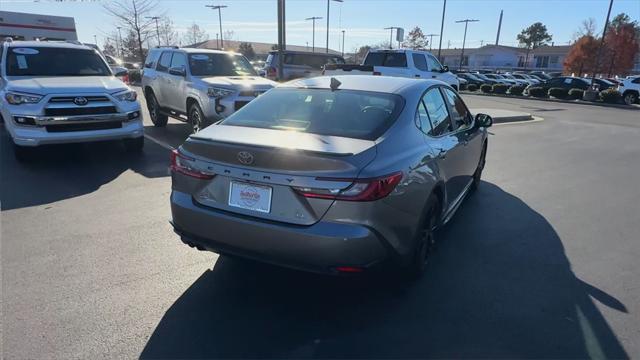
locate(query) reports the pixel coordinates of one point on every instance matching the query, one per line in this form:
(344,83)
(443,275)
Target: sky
(362,20)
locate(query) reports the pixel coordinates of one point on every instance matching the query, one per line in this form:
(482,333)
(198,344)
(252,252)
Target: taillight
(360,189)
(183,164)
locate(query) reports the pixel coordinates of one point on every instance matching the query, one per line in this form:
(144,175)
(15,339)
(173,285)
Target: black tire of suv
(157,118)
(630,98)
(134,145)
(196,118)
(425,242)
(23,153)
(477,176)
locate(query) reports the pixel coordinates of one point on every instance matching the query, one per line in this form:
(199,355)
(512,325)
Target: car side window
(422,118)
(420,62)
(460,115)
(434,64)
(437,112)
(179,60)
(636,80)
(165,62)
(151,59)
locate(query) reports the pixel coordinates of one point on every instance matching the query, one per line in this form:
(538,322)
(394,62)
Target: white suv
(630,89)
(58,92)
(197,85)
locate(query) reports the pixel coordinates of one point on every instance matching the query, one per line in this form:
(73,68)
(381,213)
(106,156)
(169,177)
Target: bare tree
(587,28)
(133,15)
(194,35)
(168,34)
(229,35)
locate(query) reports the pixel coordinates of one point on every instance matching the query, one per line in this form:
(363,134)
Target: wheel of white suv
(134,145)
(157,118)
(196,118)
(630,98)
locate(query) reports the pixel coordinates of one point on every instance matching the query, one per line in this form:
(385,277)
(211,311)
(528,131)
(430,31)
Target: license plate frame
(250,196)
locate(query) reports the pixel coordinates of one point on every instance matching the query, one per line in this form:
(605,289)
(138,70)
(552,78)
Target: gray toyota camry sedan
(331,174)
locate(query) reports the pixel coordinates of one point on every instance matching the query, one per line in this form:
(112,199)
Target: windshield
(50,61)
(220,65)
(354,114)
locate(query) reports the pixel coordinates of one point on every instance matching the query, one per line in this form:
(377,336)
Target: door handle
(417,75)
(434,76)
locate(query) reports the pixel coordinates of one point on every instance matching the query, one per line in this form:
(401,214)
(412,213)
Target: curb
(576,102)
(508,119)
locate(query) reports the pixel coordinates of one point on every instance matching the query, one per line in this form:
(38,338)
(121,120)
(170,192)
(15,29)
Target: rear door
(163,89)
(420,67)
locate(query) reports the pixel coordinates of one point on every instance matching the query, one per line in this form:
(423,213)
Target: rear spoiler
(348,67)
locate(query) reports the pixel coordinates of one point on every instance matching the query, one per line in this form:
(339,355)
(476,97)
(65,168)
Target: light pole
(313,39)
(391,28)
(444,8)
(328,2)
(464,39)
(156,18)
(95,39)
(604,33)
(219,7)
(342,43)
(120,42)
(431,39)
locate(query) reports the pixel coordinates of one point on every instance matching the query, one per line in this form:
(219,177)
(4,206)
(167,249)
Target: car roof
(384,84)
(195,50)
(49,44)
(305,53)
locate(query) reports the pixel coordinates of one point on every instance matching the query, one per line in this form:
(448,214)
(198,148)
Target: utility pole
(342,43)
(499,27)
(391,28)
(281,39)
(313,39)
(464,39)
(604,33)
(431,39)
(217,42)
(121,51)
(219,8)
(444,8)
(156,18)
(328,2)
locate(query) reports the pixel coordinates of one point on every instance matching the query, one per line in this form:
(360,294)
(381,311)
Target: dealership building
(23,26)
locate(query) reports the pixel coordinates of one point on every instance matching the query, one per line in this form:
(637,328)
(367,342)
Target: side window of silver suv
(165,62)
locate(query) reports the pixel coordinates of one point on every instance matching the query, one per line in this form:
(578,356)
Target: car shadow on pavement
(499,286)
(173,134)
(59,172)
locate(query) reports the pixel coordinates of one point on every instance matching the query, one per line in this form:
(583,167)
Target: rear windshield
(346,113)
(49,61)
(220,65)
(386,58)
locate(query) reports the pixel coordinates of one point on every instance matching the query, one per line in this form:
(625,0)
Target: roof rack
(168,47)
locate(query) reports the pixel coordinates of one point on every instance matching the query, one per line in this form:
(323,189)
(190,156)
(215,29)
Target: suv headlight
(14,98)
(128,95)
(218,92)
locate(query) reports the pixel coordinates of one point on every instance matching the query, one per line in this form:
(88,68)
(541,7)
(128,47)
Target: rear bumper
(316,248)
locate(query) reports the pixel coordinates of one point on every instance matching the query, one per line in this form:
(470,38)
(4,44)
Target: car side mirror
(121,72)
(484,120)
(178,71)
(444,69)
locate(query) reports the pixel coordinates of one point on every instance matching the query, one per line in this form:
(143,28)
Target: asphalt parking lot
(542,262)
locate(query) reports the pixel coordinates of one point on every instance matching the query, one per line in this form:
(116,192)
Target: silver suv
(58,92)
(199,86)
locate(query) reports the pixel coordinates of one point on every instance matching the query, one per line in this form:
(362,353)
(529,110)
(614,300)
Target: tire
(23,153)
(134,145)
(424,243)
(630,98)
(157,118)
(477,176)
(196,118)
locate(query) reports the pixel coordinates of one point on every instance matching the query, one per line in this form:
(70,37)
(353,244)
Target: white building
(23,26)
(548,58)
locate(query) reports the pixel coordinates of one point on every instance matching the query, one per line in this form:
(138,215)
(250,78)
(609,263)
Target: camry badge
(245,157)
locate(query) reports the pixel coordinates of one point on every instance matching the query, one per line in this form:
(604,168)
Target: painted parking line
(159,142)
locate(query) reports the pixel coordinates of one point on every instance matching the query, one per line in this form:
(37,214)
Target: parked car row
(313,174)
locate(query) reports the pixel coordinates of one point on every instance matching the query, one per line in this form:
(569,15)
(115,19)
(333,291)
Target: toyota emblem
(245,157)
(80,101)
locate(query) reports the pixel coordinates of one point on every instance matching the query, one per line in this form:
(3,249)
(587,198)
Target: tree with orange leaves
(582,56)
(622,46)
